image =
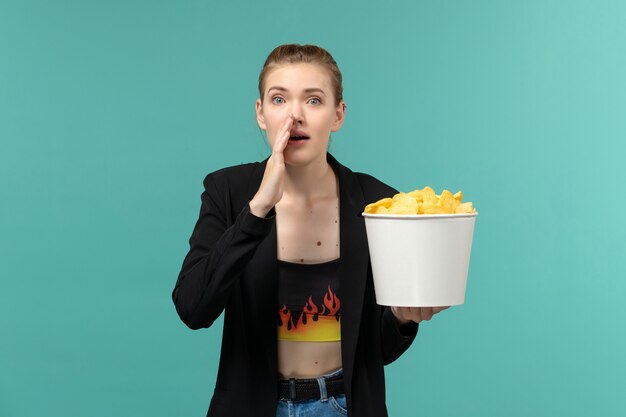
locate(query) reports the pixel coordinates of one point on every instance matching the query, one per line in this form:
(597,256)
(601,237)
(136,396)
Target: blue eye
(316,100)
(274,100)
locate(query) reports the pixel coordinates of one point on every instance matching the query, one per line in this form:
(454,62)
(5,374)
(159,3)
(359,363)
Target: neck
(309,181)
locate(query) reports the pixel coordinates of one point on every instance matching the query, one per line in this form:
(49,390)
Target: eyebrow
(306,90)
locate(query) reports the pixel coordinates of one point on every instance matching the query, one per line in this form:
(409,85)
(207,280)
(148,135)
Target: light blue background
(112,113)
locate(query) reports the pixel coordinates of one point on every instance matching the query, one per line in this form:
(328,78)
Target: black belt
(307,389)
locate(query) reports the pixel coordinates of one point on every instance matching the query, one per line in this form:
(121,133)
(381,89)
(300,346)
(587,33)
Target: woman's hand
(271,190)
(405,315)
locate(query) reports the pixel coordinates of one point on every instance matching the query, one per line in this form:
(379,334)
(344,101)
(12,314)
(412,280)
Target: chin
(301,158)
(296,161)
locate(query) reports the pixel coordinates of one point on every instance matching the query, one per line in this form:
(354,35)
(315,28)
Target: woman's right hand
(272,186)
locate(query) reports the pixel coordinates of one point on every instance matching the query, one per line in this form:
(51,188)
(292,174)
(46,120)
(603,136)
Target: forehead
(299,77)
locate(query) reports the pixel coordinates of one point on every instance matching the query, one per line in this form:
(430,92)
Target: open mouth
(298,135)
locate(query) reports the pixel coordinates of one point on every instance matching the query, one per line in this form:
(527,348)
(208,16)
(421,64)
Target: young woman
(281,248)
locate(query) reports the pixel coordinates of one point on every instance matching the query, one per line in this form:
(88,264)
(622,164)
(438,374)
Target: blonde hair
(309,54)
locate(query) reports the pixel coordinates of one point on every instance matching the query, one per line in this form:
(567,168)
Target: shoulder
(236,178)
(370,182)
(373,188)
(234,175)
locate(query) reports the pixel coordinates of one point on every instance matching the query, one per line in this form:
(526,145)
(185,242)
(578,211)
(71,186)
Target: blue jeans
(322,407)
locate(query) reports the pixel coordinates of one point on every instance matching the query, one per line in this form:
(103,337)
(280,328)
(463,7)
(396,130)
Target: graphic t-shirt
(308,301)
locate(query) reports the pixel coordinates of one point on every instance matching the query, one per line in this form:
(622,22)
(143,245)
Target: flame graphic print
(316,323)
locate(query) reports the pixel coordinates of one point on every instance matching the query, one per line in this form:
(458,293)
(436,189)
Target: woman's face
(304,91)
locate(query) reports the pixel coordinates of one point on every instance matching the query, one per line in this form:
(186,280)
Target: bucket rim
(417,216)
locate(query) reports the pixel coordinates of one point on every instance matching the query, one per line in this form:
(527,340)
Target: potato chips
(423,201)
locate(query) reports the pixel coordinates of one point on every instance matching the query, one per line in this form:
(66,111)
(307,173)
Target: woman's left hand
(405,315)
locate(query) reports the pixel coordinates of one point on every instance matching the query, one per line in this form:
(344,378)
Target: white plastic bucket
(420,260)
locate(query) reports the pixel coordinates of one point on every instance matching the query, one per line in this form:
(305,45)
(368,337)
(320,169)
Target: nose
(297,113)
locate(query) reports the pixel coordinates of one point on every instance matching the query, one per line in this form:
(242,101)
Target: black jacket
(232,266)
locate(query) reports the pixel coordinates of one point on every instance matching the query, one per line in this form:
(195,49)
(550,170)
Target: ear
(340,114)
(260,119)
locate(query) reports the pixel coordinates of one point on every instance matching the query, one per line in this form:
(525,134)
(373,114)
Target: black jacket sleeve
(219,250)
(396,339)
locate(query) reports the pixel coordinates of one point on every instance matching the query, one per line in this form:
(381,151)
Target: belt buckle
(292,389)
